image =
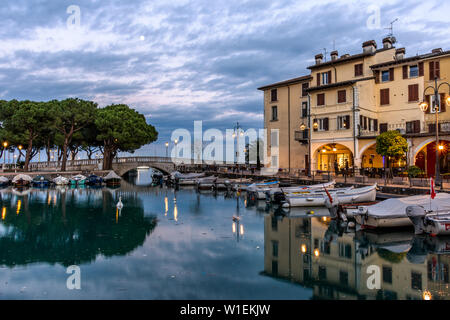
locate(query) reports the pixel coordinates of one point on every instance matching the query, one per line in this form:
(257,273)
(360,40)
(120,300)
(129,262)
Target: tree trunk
(28,155)
(64,154)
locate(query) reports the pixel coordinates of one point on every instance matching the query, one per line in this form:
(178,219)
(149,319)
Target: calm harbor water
(181,244)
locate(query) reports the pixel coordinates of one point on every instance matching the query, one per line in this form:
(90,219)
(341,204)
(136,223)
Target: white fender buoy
(119,204)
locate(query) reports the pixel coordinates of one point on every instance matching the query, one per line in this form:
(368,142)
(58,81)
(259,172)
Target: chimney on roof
(400,54)
(437,50)
(345,56)
(319,58)
(334,55)
(369,46)
(387,43)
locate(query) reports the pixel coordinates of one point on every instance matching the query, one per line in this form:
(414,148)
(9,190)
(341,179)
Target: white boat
(22,180)
(61,181)
(188,176)
(436,223)
(278,194)
(258,190)
(342,196)
(391,213)
(206,182)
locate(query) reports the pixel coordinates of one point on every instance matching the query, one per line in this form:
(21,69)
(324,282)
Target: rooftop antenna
(391,33)
(325,53)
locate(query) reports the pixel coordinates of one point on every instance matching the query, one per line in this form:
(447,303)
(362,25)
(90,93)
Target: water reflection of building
(311,252)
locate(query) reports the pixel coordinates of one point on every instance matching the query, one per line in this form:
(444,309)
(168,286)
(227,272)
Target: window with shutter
(359,70)
(321,99)
(409,127)
(274,95)
(325,124)
(413,92)
(342,96)
(318,79)
(304,113)
(383,127)
(421,72)
(391,74)
(417,126)
(437,72)
(405,72)
(431,67)
(274,113)
(442,102)
(375,124)
(304,87)
(384,96)
(377,76)
(347,122)
(329,77)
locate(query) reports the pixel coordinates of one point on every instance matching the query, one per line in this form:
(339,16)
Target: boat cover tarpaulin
(4,179)
(112,175)
(23,177)
(396,207)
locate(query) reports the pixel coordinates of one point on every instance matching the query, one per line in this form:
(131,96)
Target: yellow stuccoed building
(330,118)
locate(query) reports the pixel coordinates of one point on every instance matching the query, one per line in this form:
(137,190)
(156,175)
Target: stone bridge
(120,165)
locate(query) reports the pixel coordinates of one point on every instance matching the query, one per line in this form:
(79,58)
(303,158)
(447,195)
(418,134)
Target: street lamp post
(176,149)
(237,132)
(167,149)
(435,107)
(304,127)
(5,144)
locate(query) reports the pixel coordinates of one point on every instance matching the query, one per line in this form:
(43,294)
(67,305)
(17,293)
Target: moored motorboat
(278,195)
(392,212)
(206,183)
(22,180)
(78,180)
(94,180)
(436,223)
(40,182)
(61,181)
(258,190)
(316,198)
(4,181)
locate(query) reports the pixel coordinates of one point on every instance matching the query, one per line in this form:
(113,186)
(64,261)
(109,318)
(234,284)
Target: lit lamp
(167,149)
(441,147)
(316,253)
(315,125)
(427,295)
(303,248)
(302,127)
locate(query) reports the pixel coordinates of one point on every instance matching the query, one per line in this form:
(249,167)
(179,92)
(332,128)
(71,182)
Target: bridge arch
(122,168)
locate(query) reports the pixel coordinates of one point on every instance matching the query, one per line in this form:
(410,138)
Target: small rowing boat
(318,198)
(258,190)
(278,195)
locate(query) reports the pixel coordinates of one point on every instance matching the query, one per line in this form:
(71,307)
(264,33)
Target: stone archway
(425,157)
(330,156)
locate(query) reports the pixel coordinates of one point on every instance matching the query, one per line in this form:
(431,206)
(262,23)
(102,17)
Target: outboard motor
(333,206)
(279,197)
(416,214)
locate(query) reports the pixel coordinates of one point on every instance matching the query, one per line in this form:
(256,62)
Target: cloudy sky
(178,61)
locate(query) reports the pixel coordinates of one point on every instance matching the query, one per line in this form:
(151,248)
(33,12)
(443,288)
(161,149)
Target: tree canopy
(391,144)
(121,128)
(72,125)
